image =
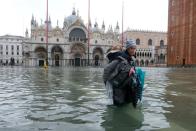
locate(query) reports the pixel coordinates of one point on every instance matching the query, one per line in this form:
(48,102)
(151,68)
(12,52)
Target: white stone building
(11,50)
(68,46)
(151,47)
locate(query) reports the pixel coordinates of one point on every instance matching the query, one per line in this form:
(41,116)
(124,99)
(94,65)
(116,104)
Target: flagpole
(88,32)
(46,33)
(122,22)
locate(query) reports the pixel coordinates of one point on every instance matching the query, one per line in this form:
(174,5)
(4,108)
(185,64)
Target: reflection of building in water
(68,46)
(182,33)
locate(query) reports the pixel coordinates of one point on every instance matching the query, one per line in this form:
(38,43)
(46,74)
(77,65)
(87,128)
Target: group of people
(120,74)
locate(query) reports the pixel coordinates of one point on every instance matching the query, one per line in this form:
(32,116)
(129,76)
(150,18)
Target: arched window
(138,54)
(143,54)
(137,41)
(142,62)
(151,61)
(77,34)
(150,42)
(150,55)
(161,43)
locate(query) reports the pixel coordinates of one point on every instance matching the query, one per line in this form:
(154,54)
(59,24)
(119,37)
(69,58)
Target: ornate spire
(74,12)
(26,33)
(77,12)
(90,23)
(117,26)
(35,23)
(110,29)
(57,23)
(32,20)
(32,17)
(96,24)
(49,21)
(103,25)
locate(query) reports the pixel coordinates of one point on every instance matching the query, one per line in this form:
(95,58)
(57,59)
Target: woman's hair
(117,47)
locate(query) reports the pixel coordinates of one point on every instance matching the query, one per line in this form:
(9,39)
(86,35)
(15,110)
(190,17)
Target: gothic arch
(77,32)
(150,42)
(41,55)
(98,55)
(40,52)
(161,43)
(142,62)
(137,62)
(146,62)
(137,41)
(98,51)
(56,55)
(77,54)
(78,49)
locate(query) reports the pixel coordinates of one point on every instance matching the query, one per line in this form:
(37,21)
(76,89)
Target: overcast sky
(138,14)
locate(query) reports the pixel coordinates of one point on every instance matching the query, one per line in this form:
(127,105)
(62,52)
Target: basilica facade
(68,46)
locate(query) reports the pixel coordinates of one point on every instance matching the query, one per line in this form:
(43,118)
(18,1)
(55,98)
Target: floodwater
(75,99)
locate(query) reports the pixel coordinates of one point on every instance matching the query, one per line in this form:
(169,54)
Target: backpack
(123,85)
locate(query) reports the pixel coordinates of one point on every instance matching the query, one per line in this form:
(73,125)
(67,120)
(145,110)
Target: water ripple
(75,99)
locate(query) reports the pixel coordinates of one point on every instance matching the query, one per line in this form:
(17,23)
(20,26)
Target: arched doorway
(57,55)
(96,60)
(40,53)
(152,62)
(161,59)
(142,63)
(77,60)
(97,56)
(78,55)
(137,62)
(146,63)
(57,59)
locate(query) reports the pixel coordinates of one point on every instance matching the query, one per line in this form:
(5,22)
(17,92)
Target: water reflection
(154,103)
(182,92)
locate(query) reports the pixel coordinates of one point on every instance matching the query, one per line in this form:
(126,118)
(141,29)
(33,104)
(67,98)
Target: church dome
(71,19)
